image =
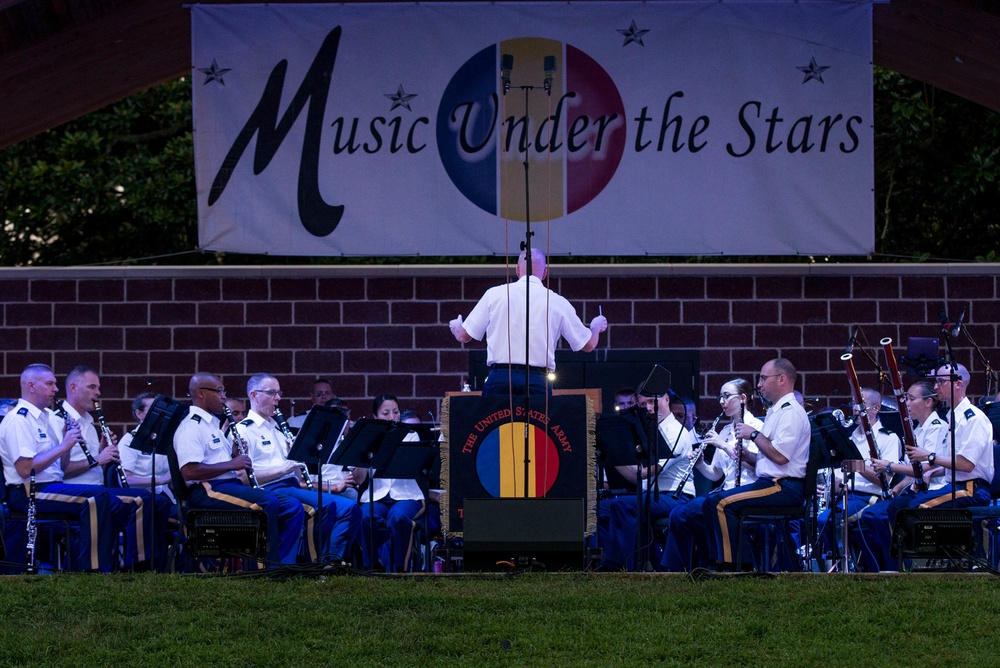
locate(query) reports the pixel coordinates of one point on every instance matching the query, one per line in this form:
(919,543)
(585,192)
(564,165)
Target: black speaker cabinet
(530,534)
(932,533)
(221,533)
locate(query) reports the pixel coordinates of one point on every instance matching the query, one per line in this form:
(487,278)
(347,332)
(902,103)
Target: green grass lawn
(532,619)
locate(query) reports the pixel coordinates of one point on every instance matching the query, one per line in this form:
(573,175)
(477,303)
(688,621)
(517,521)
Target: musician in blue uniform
(32,438)
(215,472)
(780,463)
(869,534)
(973,469)
(269,451)
(865,488)
(618,524)
(686,546)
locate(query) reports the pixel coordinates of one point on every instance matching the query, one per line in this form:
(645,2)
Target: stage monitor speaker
(929,533)
(224,533)
(528,534)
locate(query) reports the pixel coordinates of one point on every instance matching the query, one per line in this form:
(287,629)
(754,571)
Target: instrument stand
(849,467)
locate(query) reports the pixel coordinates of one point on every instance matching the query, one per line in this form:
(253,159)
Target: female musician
(398,504)
(873,531)
(686,545)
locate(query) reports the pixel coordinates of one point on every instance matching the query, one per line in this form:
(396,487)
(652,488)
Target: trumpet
(694,460)
(70,423)
(122,480)
(287,432)
(241,444)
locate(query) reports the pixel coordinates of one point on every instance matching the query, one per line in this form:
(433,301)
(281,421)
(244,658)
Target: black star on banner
(214,73)
(400,98)
(813,71)
(632,34)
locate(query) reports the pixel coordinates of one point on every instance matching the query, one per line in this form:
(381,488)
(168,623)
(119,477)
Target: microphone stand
(952,376)
(507,64)
(991,376)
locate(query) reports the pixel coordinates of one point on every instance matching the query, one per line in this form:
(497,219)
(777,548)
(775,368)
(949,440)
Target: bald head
(537,264)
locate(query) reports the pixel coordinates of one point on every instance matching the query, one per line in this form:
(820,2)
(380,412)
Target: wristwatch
(754,434)
(931,458)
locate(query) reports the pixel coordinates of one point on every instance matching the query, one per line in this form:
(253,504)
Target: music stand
(155,436)
(618,444)
(656,385)
(363,440)
(410,460)
(316,442)
(830,438)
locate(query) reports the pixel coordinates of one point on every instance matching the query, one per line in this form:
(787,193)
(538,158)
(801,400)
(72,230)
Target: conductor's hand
(598,324)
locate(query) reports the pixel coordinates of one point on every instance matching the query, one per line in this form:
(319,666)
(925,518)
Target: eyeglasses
(764,378)
(726,396)
(271,393)
(910,397)
(941,380)
(221,391)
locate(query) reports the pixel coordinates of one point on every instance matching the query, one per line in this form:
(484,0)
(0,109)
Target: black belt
(518,367)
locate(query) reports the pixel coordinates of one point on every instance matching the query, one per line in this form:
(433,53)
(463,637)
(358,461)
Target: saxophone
(241,444)
(122,480)
(283,426)
(694,460)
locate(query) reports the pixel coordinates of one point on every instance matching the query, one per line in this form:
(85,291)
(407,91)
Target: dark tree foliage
(117,186)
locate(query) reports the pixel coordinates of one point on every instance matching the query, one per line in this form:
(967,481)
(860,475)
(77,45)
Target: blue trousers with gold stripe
(285,515)
(721,523)
(341,519)
(94,508)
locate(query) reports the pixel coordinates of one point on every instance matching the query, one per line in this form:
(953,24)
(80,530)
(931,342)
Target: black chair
(780,518)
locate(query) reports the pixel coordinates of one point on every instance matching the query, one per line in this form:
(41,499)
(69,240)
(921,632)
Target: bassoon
(904,411)
(866,424)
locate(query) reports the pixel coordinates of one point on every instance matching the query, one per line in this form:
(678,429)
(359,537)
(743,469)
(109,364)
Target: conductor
(500,316)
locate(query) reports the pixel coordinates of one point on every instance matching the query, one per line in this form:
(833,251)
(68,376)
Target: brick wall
(377,329)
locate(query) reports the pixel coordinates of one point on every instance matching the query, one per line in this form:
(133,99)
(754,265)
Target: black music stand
(620,442)
(315,444)
(363,440)
(410,460)
(831,439)
(155,436)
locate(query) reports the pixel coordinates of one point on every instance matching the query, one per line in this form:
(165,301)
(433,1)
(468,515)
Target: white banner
(665,128)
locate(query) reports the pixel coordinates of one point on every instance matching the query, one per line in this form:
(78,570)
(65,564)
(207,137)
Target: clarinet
(241,445)
(694,460)
(31,528)
(122,480)
(283,426)
(904,412)
(61,412)
(739,447)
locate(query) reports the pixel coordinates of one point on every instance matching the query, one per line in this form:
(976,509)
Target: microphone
(550,70)
(506,65)
(958,325)
(851,341)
